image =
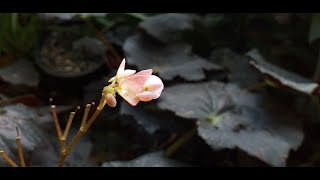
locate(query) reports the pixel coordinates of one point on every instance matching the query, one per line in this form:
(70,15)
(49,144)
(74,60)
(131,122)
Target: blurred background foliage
(229,77)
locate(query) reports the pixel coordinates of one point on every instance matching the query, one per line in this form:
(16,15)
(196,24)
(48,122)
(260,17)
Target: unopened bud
(111,100)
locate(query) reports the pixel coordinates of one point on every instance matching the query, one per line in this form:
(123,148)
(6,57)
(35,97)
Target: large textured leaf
(169,61)
(196,101)
(21,72)
(152,120)
(24,118)
(170,27)
(259,136)
(280,76)
(240,70)
(314,33)
(229,117)
(155,159)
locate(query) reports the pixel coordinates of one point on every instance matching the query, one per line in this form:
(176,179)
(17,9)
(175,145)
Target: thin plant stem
(180,142)
(97,112)
(168,141)
(19,147)
(65,152)
(14,22)
(8,159)
(66,131)
(56,121)
(92,119)
(85,116)
(71,117)
(68,149)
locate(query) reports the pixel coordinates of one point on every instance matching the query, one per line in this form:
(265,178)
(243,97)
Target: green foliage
(18,33)
(314,28)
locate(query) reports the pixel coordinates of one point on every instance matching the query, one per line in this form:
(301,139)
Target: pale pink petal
(157,93)
(121,68)
(111,79)
(129,96)
(134,83)
(130,87)
(128,72)
(155,85)
(146,73)
(146,96)
(111,100)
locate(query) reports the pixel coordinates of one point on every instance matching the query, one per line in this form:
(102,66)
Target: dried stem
(66,131)
(56,122)
(93,117)
(71,117)
(97,112)
(85,116)
(68,149)
(8,159)
(19,147)
(61,161)
(83,129)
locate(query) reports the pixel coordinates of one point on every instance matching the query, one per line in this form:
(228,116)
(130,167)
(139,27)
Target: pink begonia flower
(122,73)
(133,85)
(142,86)
(152,89)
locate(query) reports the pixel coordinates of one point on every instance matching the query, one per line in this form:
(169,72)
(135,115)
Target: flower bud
(111,100)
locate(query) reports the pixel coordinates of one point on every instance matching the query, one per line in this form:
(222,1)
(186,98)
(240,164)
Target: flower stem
(19,147)
(94,116)
(180,142)
(85,116)
(168,141)
(8,159)
(65,151)
(56,123)
(68,149)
